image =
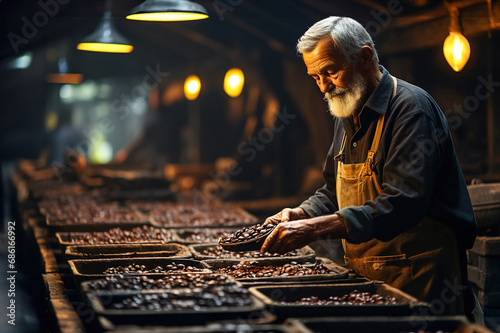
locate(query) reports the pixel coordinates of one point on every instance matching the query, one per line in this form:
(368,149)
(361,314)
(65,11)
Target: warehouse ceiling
(235,28)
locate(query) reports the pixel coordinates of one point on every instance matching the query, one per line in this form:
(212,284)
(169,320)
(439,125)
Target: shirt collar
(379,100)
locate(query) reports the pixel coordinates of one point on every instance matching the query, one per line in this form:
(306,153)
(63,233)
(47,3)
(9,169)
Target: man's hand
(296,234)
(288,214)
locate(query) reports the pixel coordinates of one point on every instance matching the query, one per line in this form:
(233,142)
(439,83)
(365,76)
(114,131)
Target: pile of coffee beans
(119,235)
(217,252)
(104,215)
(190,280)
(353,298)
(189,214)
(84,209)
(248,233)
(172,268)
(226,296)
(252,269)
(205,235)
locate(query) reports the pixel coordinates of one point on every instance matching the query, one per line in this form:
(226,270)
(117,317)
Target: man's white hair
(347,34)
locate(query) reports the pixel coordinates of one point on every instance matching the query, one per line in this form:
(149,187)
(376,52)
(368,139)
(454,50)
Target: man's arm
(296,234)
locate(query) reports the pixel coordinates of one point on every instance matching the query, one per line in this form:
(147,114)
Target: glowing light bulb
(234,82)
(192,87)
(456,49)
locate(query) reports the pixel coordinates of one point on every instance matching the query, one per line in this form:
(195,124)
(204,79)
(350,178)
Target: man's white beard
(344,102)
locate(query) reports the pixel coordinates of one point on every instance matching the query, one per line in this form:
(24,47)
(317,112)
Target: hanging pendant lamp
(168,10)
(106,38)
(456,47)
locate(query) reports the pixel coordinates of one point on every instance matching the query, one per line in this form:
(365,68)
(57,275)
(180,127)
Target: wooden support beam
(475,21)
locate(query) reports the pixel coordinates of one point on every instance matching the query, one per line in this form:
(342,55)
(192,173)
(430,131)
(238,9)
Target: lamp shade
(168,10)
(105,38)
(456,49)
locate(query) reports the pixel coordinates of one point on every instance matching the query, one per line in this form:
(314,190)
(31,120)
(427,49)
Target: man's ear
(365,60)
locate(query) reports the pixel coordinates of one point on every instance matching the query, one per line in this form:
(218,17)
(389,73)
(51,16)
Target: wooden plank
(488,264)
(487,246)
(49,261)
(66,317)
(489,282)
(55,286)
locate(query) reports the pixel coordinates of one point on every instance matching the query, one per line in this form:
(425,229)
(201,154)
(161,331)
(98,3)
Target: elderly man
(394,189)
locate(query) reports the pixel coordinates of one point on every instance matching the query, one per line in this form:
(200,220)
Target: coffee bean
(171,268)
(253,269)
(247,233)
(353,298)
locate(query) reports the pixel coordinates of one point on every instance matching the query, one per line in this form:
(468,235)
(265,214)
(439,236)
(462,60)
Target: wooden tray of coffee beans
(413,324)
(134,283)
(170,250)
(237,327)
(99,219)
(350,299)
(202,235)
(119,235)
(247,238)
(254,272)
(176,306)
(84,269)
(216,252)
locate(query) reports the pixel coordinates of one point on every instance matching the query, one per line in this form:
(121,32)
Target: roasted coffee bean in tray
(83,269)
(179,306)
(191,214)
(134,283)
(247,238)
(227,327)
(139,234)
(202,235)
(248,271)
(227,296)
(353,298)
(172,268)
(215,251)
(252,269)
(365,299)
(383,324)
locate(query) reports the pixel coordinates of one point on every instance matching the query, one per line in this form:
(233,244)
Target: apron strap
(378,132)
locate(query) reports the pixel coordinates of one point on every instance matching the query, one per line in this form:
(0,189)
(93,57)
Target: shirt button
(355,144)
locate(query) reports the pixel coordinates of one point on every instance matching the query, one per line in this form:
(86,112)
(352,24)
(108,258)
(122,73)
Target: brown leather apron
(422,261)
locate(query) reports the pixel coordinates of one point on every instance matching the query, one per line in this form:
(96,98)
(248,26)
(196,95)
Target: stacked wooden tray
(484,272)
(281,299)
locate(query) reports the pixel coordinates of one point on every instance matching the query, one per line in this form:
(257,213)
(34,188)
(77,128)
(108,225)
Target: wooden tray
(84,270)
(181,234)
(339,273)
(273,296)
(488,264)
(170,250)
(139,220)
(64,238)
(172,317)
(487,246)
(379,324)
(488,282)
(305,254)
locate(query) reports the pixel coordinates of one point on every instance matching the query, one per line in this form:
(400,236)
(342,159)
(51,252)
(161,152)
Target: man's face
(343,85)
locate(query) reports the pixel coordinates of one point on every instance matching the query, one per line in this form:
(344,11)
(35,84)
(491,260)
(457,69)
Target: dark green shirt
(416,166)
